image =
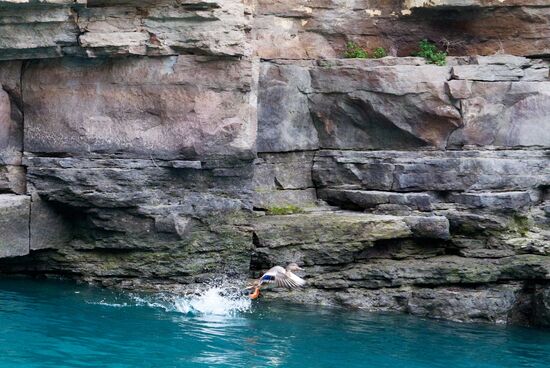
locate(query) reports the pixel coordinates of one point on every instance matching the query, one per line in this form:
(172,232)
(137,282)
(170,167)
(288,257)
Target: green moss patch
(284,210)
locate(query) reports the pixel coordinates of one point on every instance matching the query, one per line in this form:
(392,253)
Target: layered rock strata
(160,144)
(457,154)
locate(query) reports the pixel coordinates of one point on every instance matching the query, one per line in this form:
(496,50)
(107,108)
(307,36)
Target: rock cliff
(160,144)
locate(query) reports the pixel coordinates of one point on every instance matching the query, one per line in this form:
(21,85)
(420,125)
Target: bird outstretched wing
(278,276)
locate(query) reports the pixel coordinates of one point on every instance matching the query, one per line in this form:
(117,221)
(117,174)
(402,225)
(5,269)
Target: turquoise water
(59,324)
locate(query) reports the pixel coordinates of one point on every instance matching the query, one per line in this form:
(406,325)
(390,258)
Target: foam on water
(214,300)
(108,304)
(219,300)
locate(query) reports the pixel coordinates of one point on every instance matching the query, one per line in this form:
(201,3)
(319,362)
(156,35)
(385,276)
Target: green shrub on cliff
(431,53)
(379,52)
(354,51)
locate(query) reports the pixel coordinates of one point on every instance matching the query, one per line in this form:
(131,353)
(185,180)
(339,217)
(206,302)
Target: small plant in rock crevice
(354,51)
(379,52)
(429,51)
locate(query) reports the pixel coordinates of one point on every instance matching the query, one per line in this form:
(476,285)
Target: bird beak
(300,268)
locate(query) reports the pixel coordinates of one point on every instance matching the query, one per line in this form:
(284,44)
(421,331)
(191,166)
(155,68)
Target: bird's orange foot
(255,294)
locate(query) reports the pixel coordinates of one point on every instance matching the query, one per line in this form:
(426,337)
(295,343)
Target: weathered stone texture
(12,175)
(12,179)
(164,28)
(14,225)
(96,28)
(402,106)
(116,219)
(283,179)
(10,78)
(36,32)
(433,170)
(11,130)
(287,124)
(507,114)
(181,106)
(350,105)
(48,229)
(365,199)
(402,103)
(329,240)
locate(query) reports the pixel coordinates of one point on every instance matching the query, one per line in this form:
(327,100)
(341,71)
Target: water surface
(60,324)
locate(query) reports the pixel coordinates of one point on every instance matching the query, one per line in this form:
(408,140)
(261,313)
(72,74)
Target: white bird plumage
(283,277)
(280,277)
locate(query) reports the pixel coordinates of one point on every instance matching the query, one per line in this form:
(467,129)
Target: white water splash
(220,300)
(114,305)
(215,301)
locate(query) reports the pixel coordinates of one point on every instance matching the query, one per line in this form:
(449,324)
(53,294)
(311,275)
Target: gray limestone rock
(359,106)
(504,114)
(488,73)
(301,198)
(432,170)
(283,171)
(399,104)
(282,179)
(10,78)
(160,28)
(443,270)
(332,238)
(493,304)
(120,28)
(14,225)
(36,32)
(331,228)
(494,201)
(11,130)
(12,179)
(284,119)
(371,199)
(436,227)
(542,306)
(48,229)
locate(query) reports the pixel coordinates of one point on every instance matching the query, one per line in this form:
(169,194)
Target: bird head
(293,267)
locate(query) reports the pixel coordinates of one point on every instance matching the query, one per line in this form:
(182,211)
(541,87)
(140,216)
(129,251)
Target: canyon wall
(157,145)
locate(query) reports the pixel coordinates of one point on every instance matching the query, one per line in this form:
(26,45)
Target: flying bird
(279,276)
